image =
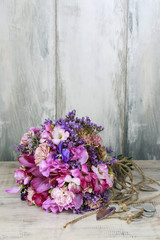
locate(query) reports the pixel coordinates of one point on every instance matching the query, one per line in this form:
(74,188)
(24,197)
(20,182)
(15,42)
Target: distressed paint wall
(143,80)
(99,57)
(27,71)
(92,63)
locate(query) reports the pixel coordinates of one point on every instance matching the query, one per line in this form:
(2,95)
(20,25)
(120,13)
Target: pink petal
(76,181)
(27,160)
(88,178)
(75,172)
(85,169)
(44,168)
(35,171)
(68,178)
(26,180)
(48,127)
(34,129)
(84,157)
(14,189)
(40,184)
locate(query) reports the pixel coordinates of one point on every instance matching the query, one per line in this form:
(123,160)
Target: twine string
(128,188)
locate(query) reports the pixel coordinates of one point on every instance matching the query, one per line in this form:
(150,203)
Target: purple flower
(65,155)
(64,152)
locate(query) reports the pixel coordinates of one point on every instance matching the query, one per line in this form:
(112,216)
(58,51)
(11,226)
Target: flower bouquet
(65,166)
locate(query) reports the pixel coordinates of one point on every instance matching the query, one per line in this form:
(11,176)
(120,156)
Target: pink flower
(30,194)
(48,127)
(25,138)
(55,166)
(87,139)
(41,153)
(27,160)
(34,129)
(96,139)
(74,184)
(39,198)
(45,136)
(40,185)
(102,173)
(100,185)
(51,205)
(34,171)
(21,177)
(80,153)
(63,197)
(83,175)
(45,166)
(101,178)
(59,134)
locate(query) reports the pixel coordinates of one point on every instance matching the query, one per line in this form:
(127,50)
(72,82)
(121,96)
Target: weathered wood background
(100,57)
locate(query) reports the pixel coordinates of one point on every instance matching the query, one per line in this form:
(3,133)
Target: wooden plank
(91,63)
(19,221)
(27,59)
(143,85)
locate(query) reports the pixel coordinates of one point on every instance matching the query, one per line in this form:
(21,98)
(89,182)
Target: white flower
(59,134)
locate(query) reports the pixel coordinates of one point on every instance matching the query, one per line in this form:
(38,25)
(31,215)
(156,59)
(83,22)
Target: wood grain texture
(91,63)
(143,83)
(19,221)
(27,74)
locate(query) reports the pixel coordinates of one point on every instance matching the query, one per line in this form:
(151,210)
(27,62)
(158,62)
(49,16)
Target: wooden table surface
(19,221)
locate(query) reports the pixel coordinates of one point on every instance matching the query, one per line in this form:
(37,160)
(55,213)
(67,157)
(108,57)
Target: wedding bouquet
(64,165)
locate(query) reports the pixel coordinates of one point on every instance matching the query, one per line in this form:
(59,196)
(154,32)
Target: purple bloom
(65,155)
(64,152)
